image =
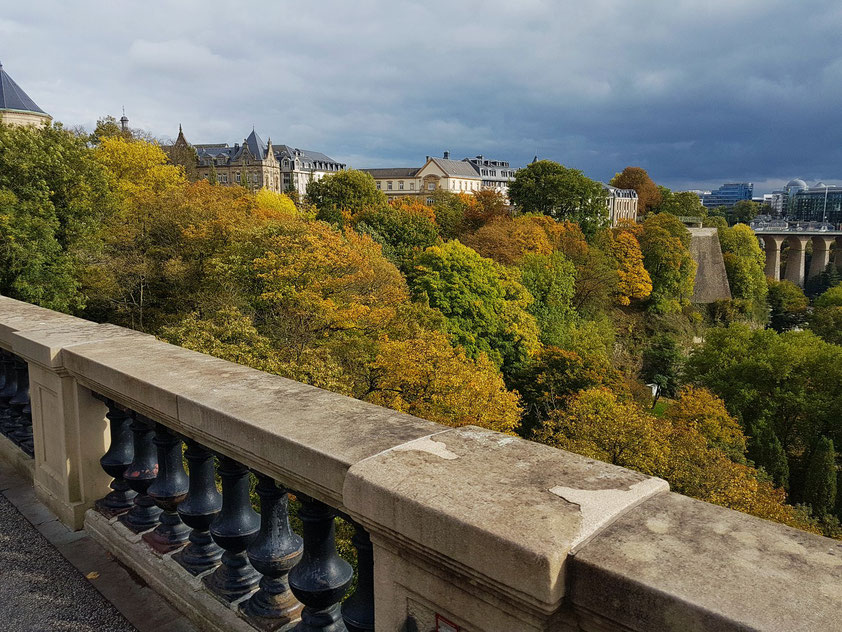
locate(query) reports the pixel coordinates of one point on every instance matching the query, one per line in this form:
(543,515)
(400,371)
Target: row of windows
(503,174)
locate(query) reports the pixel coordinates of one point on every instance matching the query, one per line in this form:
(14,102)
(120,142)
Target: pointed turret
(124,121)
(16,108)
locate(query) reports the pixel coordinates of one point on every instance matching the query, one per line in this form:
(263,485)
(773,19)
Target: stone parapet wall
(488,531)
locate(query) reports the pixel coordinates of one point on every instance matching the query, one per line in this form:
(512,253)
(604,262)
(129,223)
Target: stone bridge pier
(795,270)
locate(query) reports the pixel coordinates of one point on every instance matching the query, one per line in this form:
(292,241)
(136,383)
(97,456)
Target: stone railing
(456,529)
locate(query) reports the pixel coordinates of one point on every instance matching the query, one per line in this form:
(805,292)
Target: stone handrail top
(520,523)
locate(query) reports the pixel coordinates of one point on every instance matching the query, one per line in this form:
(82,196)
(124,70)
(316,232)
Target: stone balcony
(456,529)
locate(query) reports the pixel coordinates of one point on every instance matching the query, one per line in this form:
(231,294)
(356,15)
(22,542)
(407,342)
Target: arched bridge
(826,243)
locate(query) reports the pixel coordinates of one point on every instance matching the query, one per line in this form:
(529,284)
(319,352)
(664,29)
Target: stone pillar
(795,259)
(821,254)
(772,247)
(837,257)
(70,429)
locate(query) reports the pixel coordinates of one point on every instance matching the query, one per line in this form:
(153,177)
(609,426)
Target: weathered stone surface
(678,564)
(711,280)
(303,436)
(43,344)
(18,316)
(494,506)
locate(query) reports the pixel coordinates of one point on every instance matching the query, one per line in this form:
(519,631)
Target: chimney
(428,159)
(447,155)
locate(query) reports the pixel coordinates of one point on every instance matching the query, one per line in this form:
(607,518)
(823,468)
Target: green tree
(820,486)
(450,210)
(484,303)
(680,204)
(766,451)
(787,305)
(561,192)
(826,319)
(662,364)
(347,191)
(744,265)
(665,244)
(550,280)
(53,197)
(828,278)
(648,194)
(401,233)
(744,211)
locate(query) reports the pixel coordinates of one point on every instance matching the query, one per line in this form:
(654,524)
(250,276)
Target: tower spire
(124,121)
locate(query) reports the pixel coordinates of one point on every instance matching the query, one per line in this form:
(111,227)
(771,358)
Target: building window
(378,186)
(237,176)
(400,185)
(431,186)
(429,201)
(411,186)
(389,185)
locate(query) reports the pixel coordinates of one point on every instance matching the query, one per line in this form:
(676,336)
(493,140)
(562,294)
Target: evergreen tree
(820,486)
(212,175)
(766,451)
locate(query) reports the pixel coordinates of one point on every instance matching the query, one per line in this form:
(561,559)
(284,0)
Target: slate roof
(12,96)
(258,149)
(458,168)
(395,172)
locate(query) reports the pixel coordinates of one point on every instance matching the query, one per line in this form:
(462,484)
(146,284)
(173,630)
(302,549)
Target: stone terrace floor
(52,579)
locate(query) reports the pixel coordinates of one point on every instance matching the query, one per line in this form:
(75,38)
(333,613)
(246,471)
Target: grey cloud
(697,93)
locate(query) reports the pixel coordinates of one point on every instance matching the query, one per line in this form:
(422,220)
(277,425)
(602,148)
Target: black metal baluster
(274,552)
(358,609)
(167,490)
(198,510)
(9,390)
(116,459)
(321,577)
(19,401)
(139,476)
(233,529)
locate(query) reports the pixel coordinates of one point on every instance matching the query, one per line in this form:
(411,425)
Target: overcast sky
(697,92)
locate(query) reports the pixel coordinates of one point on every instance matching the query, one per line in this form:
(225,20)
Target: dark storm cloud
(697,93)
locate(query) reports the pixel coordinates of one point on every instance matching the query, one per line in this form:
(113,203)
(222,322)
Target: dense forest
(534,319)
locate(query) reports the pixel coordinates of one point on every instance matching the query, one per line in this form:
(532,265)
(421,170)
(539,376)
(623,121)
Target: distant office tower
(727,195)
(818,203)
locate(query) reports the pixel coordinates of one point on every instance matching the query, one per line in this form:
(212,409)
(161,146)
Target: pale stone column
(821,254)
(795,259)
(772,247)
(71,434)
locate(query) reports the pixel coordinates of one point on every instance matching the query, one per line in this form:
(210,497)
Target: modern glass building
(818,203)
(727,195)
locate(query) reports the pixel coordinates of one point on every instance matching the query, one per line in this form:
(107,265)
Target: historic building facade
(279,168)
(16,108)
(622,204)
(496,175)
(456,176)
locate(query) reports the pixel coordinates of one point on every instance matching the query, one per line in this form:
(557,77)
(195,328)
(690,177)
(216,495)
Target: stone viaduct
(795,271)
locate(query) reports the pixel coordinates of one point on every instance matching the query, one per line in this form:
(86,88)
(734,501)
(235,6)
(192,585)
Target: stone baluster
(168,490)
(17,416)
(274,552)
(139,476)
(321,577)
(117,458)
(233,529)
(198,510)
(358,609)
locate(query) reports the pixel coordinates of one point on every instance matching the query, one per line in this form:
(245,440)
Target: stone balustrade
(455,529)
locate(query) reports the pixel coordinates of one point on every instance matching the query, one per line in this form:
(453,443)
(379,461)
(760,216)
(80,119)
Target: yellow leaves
(428,378)
(269,204)
(689,447)
(137,169)
(634,280)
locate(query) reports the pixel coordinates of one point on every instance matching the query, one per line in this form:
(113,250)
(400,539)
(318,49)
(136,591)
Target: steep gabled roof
(12,96)
(456,168)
